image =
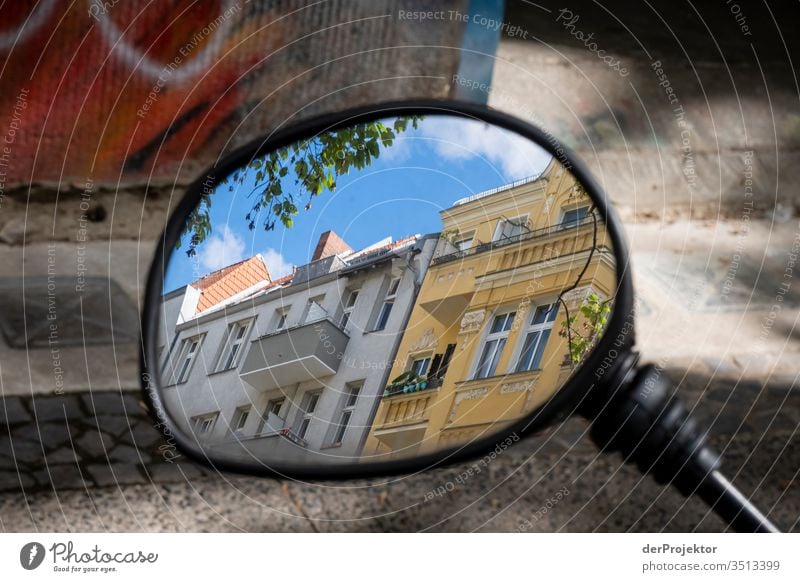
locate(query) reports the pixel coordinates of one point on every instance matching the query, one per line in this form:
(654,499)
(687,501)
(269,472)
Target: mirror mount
(644,420)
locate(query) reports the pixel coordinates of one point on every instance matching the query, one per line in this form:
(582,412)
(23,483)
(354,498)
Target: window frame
(387,305)
(186,372)
(521,223)
(306,416)
(202,418)
(461,239)
(531,328)
(241,415)
(347,310)
(563,225)
(348,408)
(317,300)
(281,317)
(226,346)
(501,339)
(424,357)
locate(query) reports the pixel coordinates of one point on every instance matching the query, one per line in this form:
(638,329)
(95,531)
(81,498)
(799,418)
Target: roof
(372,252)
(505,187)
(229,281)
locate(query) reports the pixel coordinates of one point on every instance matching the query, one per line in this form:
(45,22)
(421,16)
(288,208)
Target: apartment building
(290,368)
(482,346)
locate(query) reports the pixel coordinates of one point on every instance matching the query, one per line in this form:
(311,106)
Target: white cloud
(399,151)
(277,265)
(222,249)
(458,139)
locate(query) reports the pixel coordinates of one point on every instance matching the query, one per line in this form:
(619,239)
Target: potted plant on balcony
(406,382)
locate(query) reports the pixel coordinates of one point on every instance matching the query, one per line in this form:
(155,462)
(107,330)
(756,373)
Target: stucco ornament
(471,322)
(524,386)
(427,341)
(576,297)
(473,394)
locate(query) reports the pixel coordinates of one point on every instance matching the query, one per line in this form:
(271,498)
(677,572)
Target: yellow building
(482,346)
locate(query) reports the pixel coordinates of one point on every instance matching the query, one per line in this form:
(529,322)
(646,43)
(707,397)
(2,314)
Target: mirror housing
(604,365)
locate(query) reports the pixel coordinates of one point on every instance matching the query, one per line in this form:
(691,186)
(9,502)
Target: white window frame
(281,316)
(349,306)
(464,238)
(426,359)
(500,338)
(187,357)
(233,344)
(203,424)
(543,328)
(348,408)
(388,304)
(240,417)
(317,301)
(563,225)
(280,401)
(520,222)
(306,415)
(268,409)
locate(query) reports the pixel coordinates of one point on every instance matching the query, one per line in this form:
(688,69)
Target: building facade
(484,345)
(290,370)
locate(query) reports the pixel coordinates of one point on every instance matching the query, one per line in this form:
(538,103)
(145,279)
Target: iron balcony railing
(492,191)
(427,384)
(532,234)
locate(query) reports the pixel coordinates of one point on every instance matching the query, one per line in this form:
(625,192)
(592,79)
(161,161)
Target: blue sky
(399,194)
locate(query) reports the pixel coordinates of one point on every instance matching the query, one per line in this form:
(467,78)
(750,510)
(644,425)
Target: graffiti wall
(119,91)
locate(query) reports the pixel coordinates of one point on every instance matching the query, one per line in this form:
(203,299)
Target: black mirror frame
(609,354)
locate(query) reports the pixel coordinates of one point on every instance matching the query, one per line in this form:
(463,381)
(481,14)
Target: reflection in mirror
(380,291)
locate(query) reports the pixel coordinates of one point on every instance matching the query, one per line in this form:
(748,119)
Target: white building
(283,369)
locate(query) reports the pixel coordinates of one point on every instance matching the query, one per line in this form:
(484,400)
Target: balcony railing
(397,389)
(525,236)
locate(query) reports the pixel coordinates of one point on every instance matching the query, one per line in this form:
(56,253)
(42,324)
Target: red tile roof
(229,281)
(329,244)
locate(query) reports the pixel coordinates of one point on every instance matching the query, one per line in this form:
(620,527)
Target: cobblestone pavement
(123,481)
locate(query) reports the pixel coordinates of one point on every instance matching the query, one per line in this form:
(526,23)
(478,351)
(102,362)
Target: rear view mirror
(382,291)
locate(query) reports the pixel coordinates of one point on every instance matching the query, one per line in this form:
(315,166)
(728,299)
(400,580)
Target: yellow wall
(458,300)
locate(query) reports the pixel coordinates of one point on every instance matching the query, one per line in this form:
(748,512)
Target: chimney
(329,244)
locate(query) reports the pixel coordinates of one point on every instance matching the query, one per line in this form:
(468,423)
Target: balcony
(274,442)
(555,229)
(397,389)
(310,351)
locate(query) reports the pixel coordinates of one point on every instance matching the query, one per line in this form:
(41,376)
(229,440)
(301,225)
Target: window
(188,353)
(240,416)
(388,304)
(280,318)
(233,346)
(494,344)
(511,227)
(310,405)
(420,366)
(274,406)
(203,424)
(464,244)
(351,397)
(574,217)
(348,308)
(538,333)
(314,309)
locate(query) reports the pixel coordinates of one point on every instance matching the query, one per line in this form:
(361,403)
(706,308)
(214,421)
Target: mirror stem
(652,428)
